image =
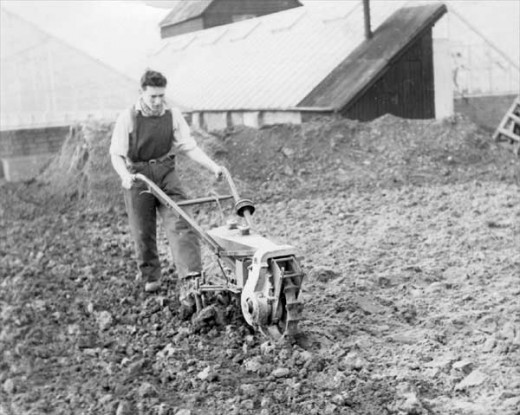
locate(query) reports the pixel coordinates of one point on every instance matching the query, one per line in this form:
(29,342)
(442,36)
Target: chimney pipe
(366,13)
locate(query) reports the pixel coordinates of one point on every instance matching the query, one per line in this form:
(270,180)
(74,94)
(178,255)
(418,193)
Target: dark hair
(153,78)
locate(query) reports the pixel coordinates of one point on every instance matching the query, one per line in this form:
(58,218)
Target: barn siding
(188,26)
(222,12)
(405,90)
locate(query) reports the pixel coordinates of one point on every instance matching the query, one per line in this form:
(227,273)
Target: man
(145,140)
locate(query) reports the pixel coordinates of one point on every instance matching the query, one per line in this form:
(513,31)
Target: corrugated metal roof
(363,67)
(89,26)
(185,10)
(270,62)
(46,82)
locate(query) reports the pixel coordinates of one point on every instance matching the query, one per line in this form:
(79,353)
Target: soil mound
(321,157)
(325,156)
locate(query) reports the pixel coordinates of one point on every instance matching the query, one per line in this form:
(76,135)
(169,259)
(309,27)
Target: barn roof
(185,10)
(370,60)
(47,82)
(275,61)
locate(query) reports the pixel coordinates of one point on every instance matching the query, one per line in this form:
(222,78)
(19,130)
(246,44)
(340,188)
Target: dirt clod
(408,232)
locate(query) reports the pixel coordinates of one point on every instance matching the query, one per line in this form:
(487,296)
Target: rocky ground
(409,233)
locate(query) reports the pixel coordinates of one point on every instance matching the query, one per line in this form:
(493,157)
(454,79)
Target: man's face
(153,96)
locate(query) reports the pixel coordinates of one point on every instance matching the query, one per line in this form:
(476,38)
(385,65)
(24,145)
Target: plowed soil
(409,233)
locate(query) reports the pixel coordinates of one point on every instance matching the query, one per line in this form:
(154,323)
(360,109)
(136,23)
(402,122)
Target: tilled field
(410,250)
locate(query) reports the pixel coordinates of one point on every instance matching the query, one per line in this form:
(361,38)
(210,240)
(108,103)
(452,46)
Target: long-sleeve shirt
(183,141)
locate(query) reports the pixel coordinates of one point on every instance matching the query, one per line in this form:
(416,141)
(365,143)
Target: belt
(151,161)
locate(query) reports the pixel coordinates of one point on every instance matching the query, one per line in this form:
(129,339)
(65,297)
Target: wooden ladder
(509,127)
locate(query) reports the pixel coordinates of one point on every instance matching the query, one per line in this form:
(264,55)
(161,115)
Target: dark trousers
(142,211)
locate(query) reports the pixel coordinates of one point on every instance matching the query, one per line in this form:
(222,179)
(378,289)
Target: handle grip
(243,207)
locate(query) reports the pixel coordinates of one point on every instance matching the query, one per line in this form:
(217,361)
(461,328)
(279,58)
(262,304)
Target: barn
(391,72)
(299,63)
(47,85)
(193,15)
(257,68)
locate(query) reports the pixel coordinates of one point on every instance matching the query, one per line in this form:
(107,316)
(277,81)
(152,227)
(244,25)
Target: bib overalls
(149,142)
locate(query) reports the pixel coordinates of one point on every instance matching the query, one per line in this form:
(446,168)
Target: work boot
(152,286)
(186,310)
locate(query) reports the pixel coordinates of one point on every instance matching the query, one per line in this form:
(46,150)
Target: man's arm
(119,164)
(187,145)
(198,155)
(119,148)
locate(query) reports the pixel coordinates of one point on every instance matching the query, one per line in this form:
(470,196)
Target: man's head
(153,87)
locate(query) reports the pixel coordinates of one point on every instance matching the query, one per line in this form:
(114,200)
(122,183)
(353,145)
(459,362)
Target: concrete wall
(281,117)
(251,119)
(24,152)
(442,78)
(486,111)
(16,169)
(220,120)
(31,142)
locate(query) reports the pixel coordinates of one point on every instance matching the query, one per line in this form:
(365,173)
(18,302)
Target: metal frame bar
(202,200)
(163,197)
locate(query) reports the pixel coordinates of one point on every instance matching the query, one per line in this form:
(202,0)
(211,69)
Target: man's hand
(119,163)
(197,155)
(217,170)
(128,180)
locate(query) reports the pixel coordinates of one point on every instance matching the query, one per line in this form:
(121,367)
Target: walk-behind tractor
(266,276)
